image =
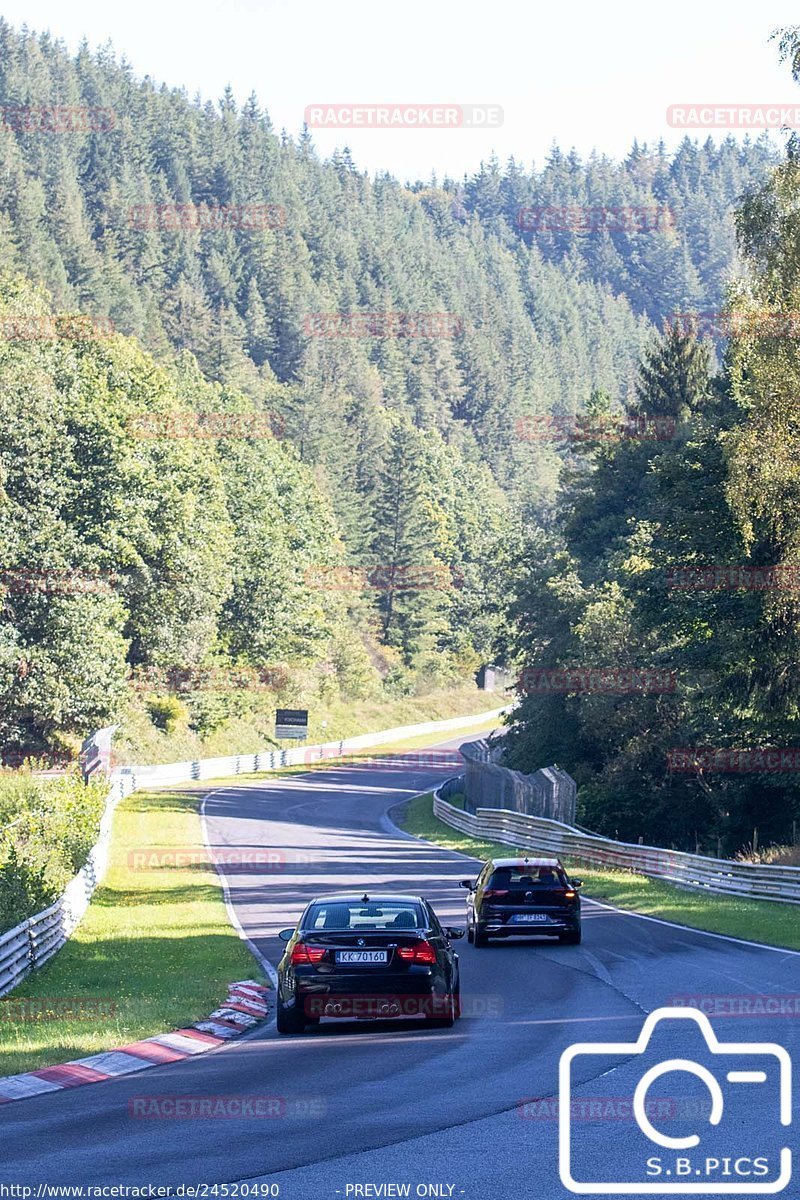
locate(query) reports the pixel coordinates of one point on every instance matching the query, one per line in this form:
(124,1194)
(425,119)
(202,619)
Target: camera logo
(733,1080)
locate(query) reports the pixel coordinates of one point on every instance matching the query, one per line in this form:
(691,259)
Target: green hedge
(47,828)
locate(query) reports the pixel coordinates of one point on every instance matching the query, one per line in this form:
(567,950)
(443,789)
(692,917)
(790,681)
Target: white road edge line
(724,937)
(266,965)
(390,827)
(268,968)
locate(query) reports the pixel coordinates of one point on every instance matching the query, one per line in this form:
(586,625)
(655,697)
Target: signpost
(291,723)
(95,755)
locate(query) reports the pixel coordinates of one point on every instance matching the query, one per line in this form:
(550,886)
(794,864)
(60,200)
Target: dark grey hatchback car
(368,957)
(518,897)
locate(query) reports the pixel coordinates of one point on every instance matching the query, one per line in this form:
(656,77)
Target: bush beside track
(754,920)
(154,951)
(47,828)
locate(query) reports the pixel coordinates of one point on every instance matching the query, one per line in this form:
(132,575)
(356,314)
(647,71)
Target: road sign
(95,755)
(291,723)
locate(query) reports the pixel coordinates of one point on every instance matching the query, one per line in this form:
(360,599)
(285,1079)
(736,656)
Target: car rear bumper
(495,926)
(350,998)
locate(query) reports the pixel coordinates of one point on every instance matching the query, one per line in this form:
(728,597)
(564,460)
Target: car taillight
(302,953)
(490,892)
(423,952)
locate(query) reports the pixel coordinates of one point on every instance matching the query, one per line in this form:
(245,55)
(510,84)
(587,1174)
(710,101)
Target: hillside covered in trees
(546,309)
(208,253)
(656,619)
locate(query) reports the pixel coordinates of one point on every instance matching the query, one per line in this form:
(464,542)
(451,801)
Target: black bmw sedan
(368,957)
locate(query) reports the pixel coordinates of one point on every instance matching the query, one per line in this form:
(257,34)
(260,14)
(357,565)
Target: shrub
(399,682)
(47,828)
(167,712)
(777,856)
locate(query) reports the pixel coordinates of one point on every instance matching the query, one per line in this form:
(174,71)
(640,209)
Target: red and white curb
(245,1007)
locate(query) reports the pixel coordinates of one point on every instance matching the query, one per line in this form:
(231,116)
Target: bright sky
(578,72)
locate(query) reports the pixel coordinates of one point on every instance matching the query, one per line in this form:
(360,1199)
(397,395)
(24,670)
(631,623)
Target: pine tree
(403,544)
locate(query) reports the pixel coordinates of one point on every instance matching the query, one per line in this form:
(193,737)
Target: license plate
(361,956)
(528,918)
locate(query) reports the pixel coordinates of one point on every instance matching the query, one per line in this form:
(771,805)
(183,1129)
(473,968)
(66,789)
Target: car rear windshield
(354,914)
(505,877)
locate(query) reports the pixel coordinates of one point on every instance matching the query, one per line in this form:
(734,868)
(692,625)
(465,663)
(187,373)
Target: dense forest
(127,221)
(407,496)
(656,619)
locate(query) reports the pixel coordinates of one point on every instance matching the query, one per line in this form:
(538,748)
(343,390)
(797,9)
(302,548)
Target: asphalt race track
(362,1106)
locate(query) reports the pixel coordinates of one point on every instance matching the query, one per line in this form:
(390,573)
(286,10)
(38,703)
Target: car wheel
(449,1021)
(481,939)
(289,1020)
(570,939)
(470,934)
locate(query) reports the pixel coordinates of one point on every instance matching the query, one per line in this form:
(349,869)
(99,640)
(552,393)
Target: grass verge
(755,920)
(139,741)
(420,742)
(154,951)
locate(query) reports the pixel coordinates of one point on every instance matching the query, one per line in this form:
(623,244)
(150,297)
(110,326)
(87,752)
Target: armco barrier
(754,880)
(31,943)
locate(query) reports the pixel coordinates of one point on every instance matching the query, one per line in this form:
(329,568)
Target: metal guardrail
(31,943)
(756,881)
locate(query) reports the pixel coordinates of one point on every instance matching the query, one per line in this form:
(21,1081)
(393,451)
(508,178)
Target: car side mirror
(454,934)
(577,883)
(468,884)
(286,935)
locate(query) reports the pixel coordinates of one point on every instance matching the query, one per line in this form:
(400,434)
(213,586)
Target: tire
(289,1020)
(470,935)
(570,939)
(481,939)
(449,1021)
